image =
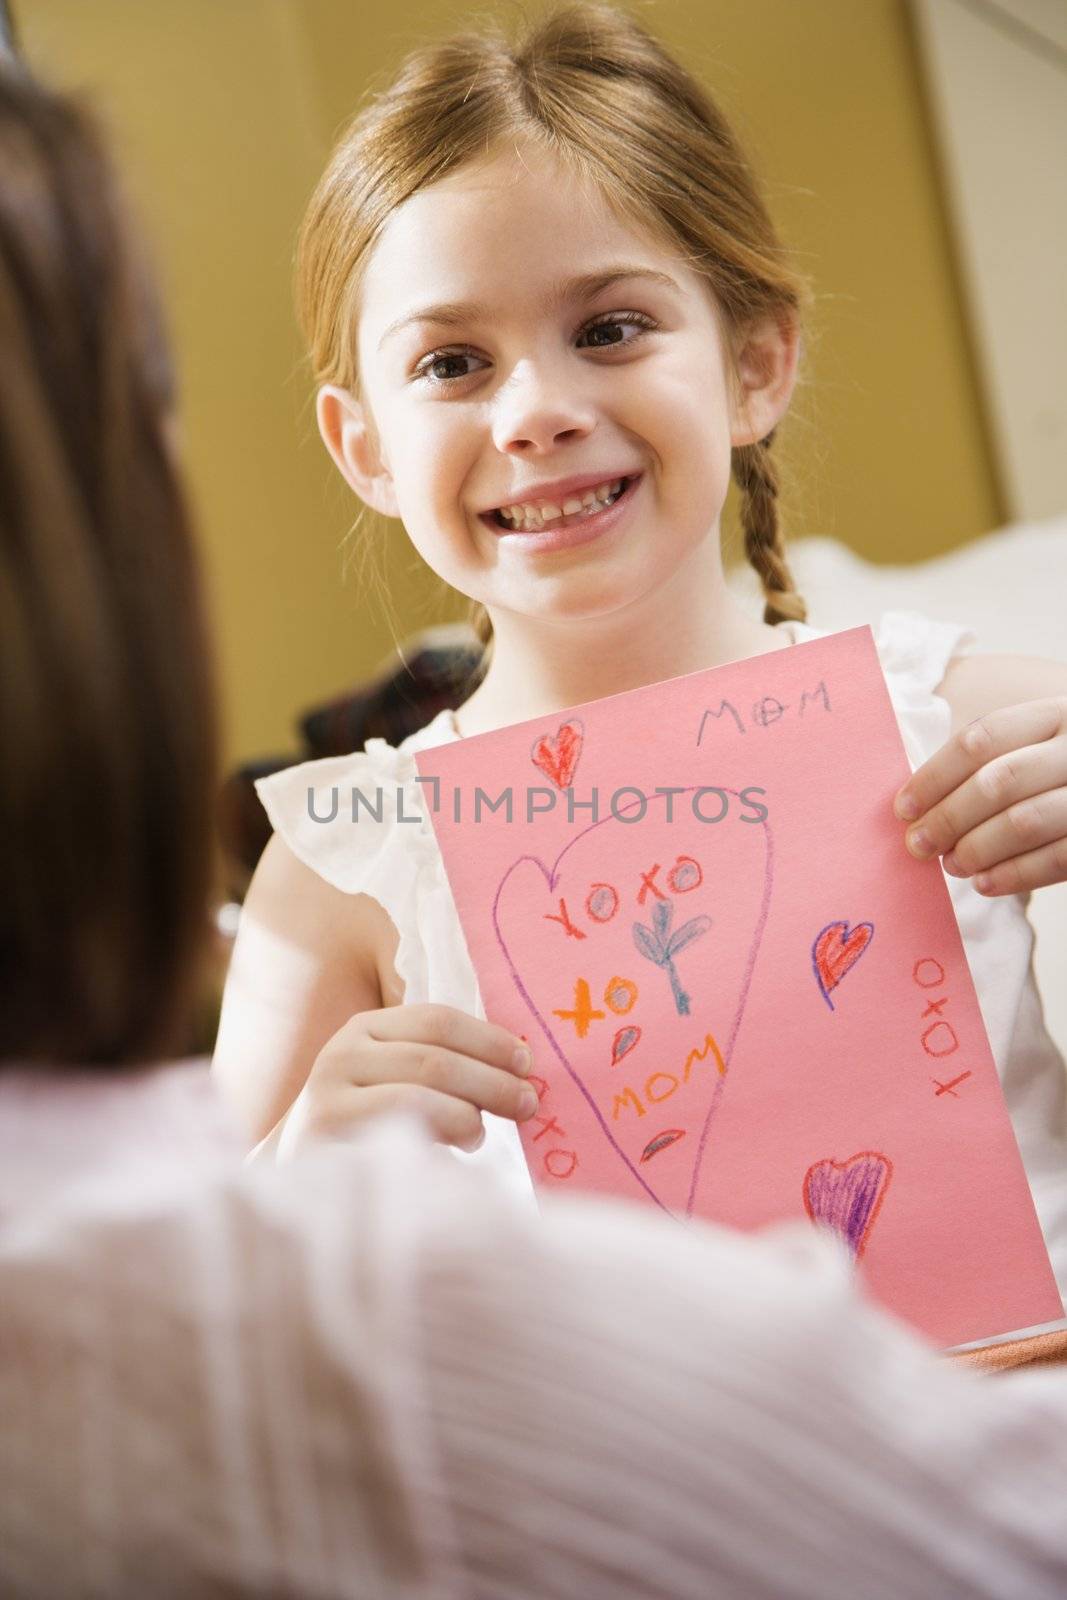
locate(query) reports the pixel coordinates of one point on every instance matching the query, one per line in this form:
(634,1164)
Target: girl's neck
(540,666)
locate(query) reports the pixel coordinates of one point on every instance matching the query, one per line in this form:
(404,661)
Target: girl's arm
(993,800)
(315,1036)
(976,685)
(303,962)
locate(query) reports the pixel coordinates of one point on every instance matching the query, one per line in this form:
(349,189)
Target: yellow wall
(223,111)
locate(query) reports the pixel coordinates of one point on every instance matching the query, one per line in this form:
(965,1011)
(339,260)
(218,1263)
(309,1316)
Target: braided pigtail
(483,628)
(757,478)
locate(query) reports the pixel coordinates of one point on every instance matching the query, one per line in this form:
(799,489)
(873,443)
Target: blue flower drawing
(657,944)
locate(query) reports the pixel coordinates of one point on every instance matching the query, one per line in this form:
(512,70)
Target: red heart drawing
(847,1195)
(836,951)
(680,957)
(557,755)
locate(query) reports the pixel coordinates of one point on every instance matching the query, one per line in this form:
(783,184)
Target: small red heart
(835,951)
(557,755)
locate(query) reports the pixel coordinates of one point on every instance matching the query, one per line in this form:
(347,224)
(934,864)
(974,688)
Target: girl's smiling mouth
(570,529)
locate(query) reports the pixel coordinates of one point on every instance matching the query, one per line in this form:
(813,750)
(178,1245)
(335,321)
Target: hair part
(106,703)
(589,84)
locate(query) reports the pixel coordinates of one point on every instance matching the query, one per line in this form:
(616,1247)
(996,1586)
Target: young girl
(549,316)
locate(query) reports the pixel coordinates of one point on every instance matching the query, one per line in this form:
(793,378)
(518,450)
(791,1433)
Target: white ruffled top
(399,864)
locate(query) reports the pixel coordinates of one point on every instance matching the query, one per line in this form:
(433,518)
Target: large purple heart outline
(551,876)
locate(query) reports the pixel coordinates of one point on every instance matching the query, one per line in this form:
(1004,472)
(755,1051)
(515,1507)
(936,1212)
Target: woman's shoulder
(72,1127)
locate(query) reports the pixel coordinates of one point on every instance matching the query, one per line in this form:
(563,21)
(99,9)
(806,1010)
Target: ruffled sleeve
(915,651)
(360,823)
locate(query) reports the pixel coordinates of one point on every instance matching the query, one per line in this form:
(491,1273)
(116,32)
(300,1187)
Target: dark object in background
(437,671)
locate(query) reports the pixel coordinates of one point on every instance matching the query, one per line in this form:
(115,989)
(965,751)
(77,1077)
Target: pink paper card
(745,1000)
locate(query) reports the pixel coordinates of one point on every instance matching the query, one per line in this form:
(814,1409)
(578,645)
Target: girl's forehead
(495,233)
(506,196)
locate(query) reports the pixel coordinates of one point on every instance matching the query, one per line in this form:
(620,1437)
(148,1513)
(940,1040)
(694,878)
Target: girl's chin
(588,599)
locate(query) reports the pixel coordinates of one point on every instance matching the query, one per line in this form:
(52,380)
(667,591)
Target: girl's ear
(354,447)
(767,373)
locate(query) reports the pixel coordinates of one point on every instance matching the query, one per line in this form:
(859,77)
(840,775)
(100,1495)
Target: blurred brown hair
(107,734)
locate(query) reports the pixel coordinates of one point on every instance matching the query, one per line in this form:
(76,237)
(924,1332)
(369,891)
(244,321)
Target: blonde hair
(590,85)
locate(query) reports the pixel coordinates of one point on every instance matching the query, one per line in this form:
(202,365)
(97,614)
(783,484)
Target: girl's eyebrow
(453,314)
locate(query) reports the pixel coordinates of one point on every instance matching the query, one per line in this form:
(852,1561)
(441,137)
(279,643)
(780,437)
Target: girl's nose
(538,410)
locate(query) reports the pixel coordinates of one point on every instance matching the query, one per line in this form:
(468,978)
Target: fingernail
(950,864)
(984,882)
(522,1060)
(527,1102)
(919,842)
(906,807)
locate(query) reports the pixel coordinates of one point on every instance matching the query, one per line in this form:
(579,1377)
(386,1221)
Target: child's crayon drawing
(660,946)
(624,1041)
(847,1195)
(557,755)
(577,997)
(836,949)
(740,1009)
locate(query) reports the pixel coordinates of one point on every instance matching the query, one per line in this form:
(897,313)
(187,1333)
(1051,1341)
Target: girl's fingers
(452,1029)
(1020,776)
(450,1121)
(1022,829)
(982,741)
(449,1073)
(1034,870)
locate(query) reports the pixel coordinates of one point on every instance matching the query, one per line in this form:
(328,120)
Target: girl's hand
(435,1060)
(993,800)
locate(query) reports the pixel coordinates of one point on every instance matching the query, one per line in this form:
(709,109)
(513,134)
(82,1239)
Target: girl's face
(529,376)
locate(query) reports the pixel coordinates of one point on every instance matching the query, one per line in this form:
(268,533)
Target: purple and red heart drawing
(847,1195)
(835,952)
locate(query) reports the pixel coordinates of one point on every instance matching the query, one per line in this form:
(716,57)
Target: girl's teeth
(592,500)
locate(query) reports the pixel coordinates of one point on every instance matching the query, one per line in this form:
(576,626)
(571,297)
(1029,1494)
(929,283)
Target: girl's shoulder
(342,815)
(360,823)
(914,650)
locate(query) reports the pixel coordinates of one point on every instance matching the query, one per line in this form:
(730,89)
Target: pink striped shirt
(378,1373)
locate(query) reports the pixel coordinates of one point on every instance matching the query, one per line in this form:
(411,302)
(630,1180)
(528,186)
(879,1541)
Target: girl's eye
(617,319)
(438,358)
